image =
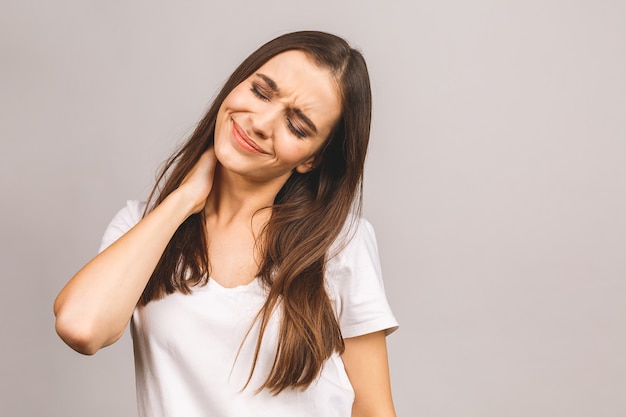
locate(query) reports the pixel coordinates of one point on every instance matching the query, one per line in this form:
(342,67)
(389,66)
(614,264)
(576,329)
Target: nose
(263,122)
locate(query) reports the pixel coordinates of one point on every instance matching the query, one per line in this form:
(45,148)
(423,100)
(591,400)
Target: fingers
(199,181)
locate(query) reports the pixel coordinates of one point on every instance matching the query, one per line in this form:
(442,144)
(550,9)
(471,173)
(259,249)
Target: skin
(365,360)
(262,136)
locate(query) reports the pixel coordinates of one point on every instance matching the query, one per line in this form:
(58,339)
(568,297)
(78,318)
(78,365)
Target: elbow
(77,334)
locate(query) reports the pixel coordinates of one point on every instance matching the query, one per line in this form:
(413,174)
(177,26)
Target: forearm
(93,309)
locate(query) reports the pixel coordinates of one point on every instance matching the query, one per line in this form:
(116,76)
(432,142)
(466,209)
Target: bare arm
(94,307)
(365,360)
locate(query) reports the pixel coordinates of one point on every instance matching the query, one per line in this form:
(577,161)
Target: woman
(252,286)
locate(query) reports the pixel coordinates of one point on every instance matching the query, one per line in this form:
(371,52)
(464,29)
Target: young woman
(251,283)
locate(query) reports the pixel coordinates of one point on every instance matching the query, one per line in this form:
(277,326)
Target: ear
(307,165)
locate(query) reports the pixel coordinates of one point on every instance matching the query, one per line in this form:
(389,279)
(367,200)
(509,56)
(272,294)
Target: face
(276,120)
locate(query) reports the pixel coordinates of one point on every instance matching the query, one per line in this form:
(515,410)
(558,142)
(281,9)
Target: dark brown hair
(308,214)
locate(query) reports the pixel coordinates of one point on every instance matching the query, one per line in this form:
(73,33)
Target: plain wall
(496,182)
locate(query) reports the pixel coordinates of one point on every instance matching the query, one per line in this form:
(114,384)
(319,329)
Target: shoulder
(355,283)
(123,221)
(131,213)
(357,240)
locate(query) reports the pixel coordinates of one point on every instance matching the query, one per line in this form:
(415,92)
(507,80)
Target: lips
(244,141)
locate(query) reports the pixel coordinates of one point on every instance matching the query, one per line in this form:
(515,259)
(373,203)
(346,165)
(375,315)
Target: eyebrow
(274,87)
(271,83)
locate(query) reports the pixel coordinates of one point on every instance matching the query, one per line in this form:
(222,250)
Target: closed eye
(299,133)
(258,91)
(266,93)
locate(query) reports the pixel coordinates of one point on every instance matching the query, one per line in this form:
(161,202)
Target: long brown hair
(307,216)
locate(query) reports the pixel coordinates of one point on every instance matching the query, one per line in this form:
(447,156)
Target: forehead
(303,84)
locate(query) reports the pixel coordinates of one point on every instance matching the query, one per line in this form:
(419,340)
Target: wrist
(180,204)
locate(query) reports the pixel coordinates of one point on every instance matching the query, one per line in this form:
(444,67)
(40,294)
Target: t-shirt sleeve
(122,222)
(356,287)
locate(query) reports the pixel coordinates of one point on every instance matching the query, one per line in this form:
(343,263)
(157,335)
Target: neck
(234,197)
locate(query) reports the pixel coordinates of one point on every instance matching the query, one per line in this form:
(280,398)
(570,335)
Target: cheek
(295,151)
(232,103)
(237,99)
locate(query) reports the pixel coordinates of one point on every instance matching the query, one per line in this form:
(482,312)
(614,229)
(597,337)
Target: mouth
(244,141)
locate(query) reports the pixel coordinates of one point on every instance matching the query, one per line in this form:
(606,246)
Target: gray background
(496,182)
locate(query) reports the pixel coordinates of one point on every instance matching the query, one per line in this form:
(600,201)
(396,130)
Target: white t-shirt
(189,357)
